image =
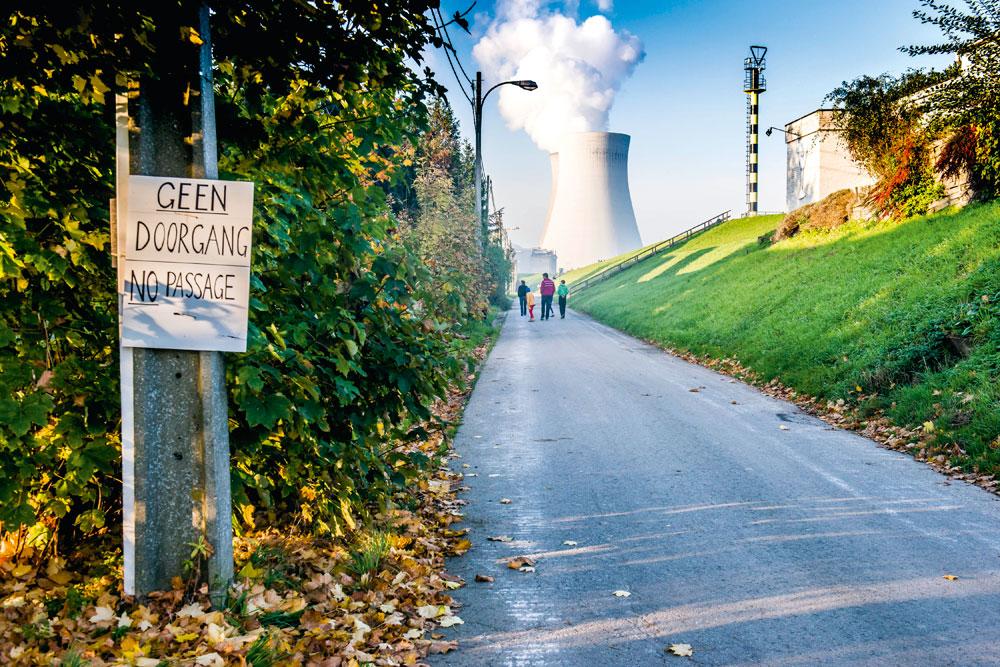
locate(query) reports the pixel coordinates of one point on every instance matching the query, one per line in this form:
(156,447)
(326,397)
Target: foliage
(958,155)
(905,311)
(881,122)
(971,97)
(299,599)
(440,220)
(347,344)
(892,122)
(58,384)
(498,265)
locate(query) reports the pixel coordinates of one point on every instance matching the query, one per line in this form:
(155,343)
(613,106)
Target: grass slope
(590,269)
(909,312)
(765,223)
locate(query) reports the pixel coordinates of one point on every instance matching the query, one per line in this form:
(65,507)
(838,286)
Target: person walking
(530,300)
(547,289)
(563,293)
(522,296)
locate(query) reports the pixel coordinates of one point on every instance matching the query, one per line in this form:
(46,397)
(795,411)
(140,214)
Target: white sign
(186,279)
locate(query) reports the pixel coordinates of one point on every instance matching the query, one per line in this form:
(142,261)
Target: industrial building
(818,162)
(534,260)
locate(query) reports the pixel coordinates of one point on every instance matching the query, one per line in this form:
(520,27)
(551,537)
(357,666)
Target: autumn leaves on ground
(381,594)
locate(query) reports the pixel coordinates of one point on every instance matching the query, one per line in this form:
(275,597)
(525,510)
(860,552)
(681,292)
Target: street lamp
(772,129)
(477,115)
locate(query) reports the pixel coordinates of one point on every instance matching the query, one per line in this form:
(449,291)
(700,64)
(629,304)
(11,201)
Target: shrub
(828,213)
(349,342)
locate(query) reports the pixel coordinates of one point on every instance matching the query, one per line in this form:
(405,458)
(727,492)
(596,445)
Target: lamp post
(477,114)
(791,134)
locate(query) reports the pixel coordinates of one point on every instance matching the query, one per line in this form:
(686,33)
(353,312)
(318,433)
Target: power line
(444,26)
(448,48)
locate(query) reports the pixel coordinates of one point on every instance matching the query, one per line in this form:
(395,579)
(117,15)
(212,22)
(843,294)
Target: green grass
(764,223)
(369,552)
(582,272)
(896,308)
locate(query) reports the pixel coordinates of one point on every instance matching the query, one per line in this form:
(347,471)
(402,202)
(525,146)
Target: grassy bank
(902,317)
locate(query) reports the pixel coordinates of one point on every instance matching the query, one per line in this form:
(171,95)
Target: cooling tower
(590,209)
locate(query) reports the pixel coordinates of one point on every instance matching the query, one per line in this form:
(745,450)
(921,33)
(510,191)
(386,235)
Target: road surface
(752,543)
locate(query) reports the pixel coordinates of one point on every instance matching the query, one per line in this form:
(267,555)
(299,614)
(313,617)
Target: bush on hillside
(892,124)
(884,132)
(966,105)
(827,213)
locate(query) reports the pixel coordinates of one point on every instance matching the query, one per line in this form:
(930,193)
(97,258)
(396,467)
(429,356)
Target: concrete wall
(818,162)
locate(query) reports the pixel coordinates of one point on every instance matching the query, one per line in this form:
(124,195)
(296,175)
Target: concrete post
(180,407)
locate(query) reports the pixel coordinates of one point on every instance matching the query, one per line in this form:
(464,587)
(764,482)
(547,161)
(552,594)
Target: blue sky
(684,106)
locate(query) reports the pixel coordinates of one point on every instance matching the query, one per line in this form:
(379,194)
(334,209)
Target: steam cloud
(579,68)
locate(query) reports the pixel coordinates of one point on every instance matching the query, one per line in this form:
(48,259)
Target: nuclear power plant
(590,213)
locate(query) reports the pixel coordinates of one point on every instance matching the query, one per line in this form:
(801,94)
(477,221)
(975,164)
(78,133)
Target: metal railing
(618,267)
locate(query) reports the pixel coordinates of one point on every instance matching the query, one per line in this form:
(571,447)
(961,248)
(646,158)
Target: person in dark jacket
(522,296)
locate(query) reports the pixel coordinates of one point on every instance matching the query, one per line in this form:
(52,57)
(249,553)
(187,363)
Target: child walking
(531,306)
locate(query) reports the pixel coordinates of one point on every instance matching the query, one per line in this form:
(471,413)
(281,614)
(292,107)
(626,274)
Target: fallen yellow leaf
(461,547)
(518,562)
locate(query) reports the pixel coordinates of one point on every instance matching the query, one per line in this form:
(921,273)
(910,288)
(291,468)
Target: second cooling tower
(590,209)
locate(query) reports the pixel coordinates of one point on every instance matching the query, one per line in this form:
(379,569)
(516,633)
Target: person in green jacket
(563,292)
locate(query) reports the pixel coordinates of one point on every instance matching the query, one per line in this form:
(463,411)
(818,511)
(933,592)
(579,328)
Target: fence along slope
(651,251)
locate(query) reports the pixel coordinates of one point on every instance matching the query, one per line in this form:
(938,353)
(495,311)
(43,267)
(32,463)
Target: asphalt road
(753,544)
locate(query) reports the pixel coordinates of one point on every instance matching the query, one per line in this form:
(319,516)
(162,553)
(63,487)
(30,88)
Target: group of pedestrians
(547,289)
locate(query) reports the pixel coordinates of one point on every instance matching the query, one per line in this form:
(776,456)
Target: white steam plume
(579,68)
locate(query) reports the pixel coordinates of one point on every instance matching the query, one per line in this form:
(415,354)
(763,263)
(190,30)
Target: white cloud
(579,68)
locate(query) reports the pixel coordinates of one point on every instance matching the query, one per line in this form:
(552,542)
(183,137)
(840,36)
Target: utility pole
(179,403)
(477,119)
(478,122)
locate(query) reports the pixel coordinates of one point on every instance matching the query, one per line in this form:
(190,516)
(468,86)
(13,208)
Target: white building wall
(818,162)
(535,260)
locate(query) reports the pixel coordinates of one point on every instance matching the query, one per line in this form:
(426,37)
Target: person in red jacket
(547,288)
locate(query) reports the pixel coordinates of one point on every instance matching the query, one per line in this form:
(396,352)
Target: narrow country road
(751,543)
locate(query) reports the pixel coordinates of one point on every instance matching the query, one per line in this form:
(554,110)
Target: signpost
(183,261)
(186,282)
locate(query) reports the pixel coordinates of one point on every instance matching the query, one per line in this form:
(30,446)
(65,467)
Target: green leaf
(266,411)
(250,376)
